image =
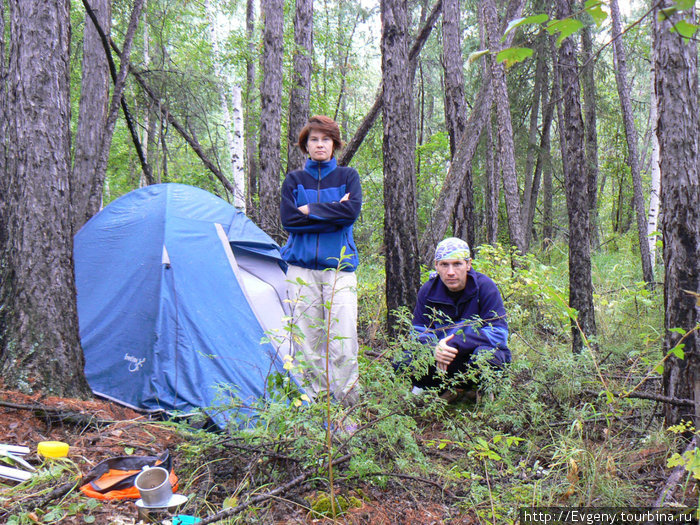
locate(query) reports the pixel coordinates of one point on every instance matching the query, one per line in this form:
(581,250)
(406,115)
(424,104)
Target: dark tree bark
(677,94)
(532,145)
(270,117)
(400,228)
(589,103)
(623,91)
(543,160)
(580,282)
(505,129)
(368,121)
(92,116)
(39,344)
(253,187)
(301,81)
(457,175)
(453,64)
(491,197)
(3,125)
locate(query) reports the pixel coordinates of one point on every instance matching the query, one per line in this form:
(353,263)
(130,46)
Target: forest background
(549,135)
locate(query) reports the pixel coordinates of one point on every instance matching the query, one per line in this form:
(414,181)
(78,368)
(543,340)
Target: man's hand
(304,209)
(346,197)
(444,353)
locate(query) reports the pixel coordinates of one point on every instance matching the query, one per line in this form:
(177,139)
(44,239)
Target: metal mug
(153,483)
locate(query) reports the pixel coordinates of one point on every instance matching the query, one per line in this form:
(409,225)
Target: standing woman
(320,204)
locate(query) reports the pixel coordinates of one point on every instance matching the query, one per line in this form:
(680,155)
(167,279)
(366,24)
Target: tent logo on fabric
(136,363)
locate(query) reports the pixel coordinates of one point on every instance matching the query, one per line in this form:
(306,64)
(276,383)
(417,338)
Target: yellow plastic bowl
(52,449)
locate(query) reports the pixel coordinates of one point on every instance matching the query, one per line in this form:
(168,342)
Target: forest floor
(97,430)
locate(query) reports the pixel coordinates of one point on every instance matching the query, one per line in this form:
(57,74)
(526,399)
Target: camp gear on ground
(52,449)
(114,478)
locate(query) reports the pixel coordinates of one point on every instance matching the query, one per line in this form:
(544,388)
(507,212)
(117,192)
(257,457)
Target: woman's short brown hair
(324,125)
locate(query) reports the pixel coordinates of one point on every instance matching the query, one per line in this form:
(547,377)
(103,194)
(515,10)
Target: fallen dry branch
(269,495)
(674,478)
(437,485)
(54,415)
(645,395)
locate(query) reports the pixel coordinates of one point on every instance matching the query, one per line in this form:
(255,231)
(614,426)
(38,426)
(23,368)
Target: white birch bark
(238,149)
(652,222)
(221,86)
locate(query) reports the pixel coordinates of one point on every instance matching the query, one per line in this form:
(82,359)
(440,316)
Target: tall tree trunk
(580,282)
(270,117)
(677,94)
(3,126)
(223,89)
(253,186)
(39,344)
(655,169)
(300,92)
(623,91)
(445,203)
(368,121)
(491,197)
(92,113)
(540,70)
(400,228)
(505,129)
(591,123)
(237,153)
(453,64)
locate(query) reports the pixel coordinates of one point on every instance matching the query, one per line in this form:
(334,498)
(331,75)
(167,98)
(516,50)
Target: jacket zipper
(318,200)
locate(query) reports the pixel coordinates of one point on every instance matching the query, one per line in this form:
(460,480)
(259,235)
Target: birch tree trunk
(580,282)
(400,228)
(623,90)
(92,113)
(222,87)
(238,151)
(655,169)
(676,68)
(505,130)
(300,92)
(39,342)
(270,117)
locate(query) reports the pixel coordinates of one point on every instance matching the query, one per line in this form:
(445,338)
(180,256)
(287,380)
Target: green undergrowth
(559,429)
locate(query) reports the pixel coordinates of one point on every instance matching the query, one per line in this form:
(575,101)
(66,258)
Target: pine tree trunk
(505,130)
(253,185)
(677,94)
(453,64)
(591,123)
(580,282)
(92,114)
(400,228)
(270,117)
(623,91)
(39,343)
(300,92)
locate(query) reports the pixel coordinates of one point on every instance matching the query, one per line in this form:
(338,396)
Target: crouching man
(460,313)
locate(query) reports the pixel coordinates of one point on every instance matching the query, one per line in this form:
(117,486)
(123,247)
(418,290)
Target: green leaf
(476,55)
(513,55)
(659,369)
(685,29)
(565,28)
(667,12)
(677,330)
(593,8)
(128,451)
(89,519)
(685,4)
(678,351)
(530,20)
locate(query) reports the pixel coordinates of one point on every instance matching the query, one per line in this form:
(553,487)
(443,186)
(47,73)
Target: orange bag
(114,478)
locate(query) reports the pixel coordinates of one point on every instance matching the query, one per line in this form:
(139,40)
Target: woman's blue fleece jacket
(477,317)
(316,240)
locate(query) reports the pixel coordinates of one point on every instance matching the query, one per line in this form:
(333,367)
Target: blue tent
(176,291)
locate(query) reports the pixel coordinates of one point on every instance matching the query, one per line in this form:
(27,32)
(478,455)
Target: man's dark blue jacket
(477,317)
(316,240)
